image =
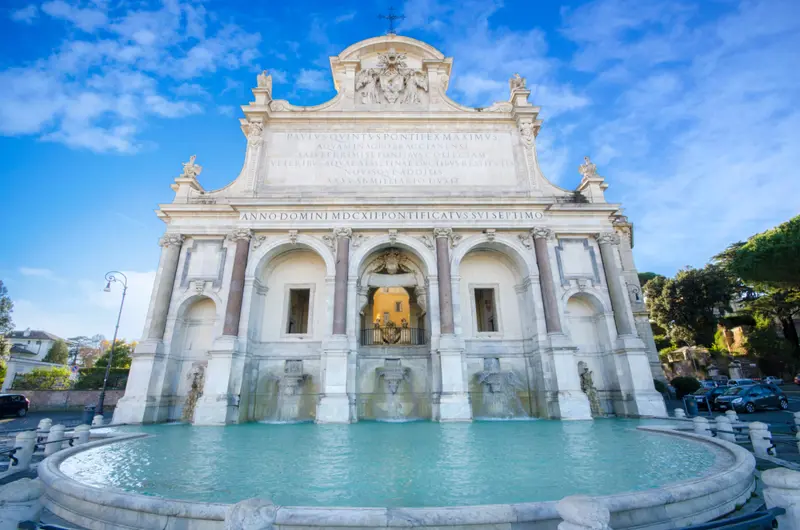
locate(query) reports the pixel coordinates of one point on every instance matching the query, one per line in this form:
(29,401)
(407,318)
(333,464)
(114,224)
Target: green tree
(122,356)
(58,354)
(689,305)
(770,258)
(55,378)
(6,308)
(645,277)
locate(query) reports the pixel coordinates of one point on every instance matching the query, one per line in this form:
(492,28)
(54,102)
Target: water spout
(197,376)
(290,393)
(499,392)
(393,373)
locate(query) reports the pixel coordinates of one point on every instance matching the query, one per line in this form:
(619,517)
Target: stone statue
(587,387)
(516,83)
(190,169)
(588,169)
(264,80)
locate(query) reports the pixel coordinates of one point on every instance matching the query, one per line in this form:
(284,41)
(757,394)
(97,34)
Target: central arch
(392,375)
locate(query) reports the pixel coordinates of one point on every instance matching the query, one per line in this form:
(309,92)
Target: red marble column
(233,310)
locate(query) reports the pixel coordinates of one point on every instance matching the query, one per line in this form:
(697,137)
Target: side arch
(261,256)
(520,256)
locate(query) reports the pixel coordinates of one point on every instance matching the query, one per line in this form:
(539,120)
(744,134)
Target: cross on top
(391,17)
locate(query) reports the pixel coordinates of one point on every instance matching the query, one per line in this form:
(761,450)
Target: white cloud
(86,19)
(25,14)
(40,273)
(97,93)
(226,110)
(346,17)
(85,309)
(313,80)
(279,76)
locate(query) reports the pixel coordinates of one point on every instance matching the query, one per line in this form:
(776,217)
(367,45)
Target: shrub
(661,386)
(43,379)
(92,378)
(685,386)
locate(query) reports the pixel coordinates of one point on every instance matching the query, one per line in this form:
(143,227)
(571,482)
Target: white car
(777,381)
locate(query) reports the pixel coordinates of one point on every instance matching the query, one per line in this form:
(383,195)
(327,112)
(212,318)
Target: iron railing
(392,336)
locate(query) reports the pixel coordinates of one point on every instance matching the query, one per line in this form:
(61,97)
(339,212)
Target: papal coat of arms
(392,82)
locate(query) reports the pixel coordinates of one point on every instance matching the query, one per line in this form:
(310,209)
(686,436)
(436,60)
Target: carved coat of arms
(392,82)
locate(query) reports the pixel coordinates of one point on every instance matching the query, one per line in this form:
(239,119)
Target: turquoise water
(380,464)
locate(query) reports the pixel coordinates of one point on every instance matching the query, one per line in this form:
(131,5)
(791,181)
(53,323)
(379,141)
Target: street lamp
(111,277)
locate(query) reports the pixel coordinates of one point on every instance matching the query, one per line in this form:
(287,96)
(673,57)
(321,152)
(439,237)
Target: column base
(333,409)
(566,405)
(641,404)
(135,410)
(454,407)
(220,409)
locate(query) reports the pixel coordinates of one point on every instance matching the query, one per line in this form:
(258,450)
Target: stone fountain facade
(391,184)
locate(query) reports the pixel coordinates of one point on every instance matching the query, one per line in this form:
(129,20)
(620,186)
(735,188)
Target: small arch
(519,255)
(261,256)
(416,247)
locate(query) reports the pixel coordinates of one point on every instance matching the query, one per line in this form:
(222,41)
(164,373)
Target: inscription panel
(389,159)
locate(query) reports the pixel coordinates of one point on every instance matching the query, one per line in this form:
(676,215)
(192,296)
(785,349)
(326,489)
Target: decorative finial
(264,80)
(588,169)
(516,83)
(391,17)
(190,169)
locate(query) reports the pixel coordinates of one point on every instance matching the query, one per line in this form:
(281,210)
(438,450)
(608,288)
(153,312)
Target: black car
(15,404)
(753,397)
(703,394)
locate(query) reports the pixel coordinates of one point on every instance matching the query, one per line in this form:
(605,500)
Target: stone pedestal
(142,400)
(782,490)
(565,400)
(218,405)
(20,501)
(638,394)
(334,405)
(454,398)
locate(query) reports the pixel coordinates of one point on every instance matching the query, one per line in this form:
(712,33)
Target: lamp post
(112,277)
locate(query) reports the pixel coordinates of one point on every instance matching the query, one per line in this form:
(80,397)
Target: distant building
(28,349)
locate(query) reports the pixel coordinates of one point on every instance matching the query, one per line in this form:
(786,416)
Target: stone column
(340,288)
(170,253)
(454,398)
(608,242)
(233,310)
(334,403)
(141,403)
(638,396)
(551,317)
(443,236)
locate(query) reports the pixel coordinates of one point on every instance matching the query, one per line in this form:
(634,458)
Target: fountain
(587,386)
(289,392)
(499,396)
(197,374)
(393,373)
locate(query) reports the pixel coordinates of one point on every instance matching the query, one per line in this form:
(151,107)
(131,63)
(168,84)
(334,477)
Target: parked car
(15,404)
(740,382)
(777,381)
(753,397)
(701,395)
(709,383)
(797,379)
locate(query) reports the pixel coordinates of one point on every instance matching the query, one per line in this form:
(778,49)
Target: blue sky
(689,109)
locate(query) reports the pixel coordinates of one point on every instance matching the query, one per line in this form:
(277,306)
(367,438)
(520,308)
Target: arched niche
(588,330)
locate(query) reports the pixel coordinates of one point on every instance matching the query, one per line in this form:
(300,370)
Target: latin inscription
(465,216)
(390,159)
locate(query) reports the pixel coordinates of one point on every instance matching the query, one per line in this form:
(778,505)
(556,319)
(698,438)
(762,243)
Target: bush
(685,386)
(661,386)
(92,378)
(43,379)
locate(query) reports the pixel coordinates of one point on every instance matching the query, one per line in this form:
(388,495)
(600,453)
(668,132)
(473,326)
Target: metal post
(111,278)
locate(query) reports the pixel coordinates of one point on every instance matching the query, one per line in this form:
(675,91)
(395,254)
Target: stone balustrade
(782,490)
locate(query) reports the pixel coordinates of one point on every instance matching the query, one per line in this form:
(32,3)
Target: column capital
(343,232)
(607,238)
(447,233)
(240,234)
(168,240)
(542,232)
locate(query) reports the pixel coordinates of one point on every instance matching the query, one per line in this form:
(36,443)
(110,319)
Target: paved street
(32,419)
